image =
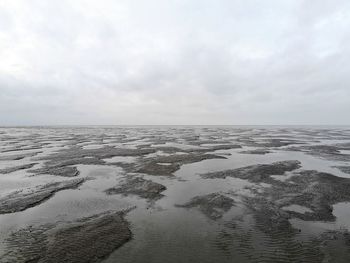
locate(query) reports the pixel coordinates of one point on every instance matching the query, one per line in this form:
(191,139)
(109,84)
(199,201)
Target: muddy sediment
(276,211)
(65,171)
(268,143)
(328,152)
(15,157)
(100,153)
(65,168)
(16,168)
(138,186)
(198,148)
(315,190)
(26,198)
(89,239)
(74,161)
(155,168)
(167,165)
(22,148)
(60,163)
(256,151)
(223,147)
(213,205)
(257,173)
(344,169)
(269,217)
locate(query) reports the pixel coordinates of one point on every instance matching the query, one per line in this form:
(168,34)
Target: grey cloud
(174,62)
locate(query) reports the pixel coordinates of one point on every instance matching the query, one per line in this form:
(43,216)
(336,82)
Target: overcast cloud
(174,62)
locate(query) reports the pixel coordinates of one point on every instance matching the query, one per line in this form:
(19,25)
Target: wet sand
(175,194)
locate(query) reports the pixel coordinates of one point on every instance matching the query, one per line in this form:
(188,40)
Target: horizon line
(144,125)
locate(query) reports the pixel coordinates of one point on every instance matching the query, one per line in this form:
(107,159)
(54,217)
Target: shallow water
(162,231)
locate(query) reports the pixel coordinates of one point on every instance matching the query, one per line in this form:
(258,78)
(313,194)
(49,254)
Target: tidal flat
(175,194)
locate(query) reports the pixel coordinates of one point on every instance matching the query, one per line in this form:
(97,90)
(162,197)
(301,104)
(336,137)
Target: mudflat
(175,194)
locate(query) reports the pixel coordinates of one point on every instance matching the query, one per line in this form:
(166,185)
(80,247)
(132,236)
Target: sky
(192,62)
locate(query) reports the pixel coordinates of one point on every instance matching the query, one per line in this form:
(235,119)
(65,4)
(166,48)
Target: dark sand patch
(154,166)
(100,153)
(328,152)
(26,198)
(256,151)
(138,186)
(272,238)
(267,143)
(212,205)
(15,157)
(65,171)
(203,149)
(74,161)
(89,239)
(24,148)
(315,190)
(257,173)
(16,168)
(223,147)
